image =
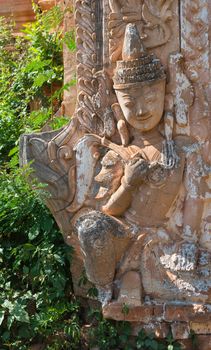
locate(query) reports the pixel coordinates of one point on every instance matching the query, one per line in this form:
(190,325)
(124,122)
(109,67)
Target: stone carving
(129,177)
(152,17)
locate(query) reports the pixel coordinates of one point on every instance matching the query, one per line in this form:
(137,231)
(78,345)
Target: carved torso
(154,198)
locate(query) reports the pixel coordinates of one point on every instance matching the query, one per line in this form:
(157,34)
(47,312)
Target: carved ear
(121,125)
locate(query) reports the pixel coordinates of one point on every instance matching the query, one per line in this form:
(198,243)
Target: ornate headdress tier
(137,65)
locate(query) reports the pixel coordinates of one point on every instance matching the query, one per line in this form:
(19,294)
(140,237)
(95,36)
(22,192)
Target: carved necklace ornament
(126,177)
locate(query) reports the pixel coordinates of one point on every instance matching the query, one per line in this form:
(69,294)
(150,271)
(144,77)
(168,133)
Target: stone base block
(169,312)
(183,320)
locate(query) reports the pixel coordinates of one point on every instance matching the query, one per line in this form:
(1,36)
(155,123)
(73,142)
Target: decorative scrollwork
(93,111)
(152,18)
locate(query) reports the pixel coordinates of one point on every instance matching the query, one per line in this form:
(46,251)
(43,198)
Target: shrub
(36,301)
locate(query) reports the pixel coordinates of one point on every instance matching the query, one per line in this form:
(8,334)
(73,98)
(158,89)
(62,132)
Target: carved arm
(135,172)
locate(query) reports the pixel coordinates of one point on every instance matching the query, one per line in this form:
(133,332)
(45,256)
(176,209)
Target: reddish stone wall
(20,10)
(47,4)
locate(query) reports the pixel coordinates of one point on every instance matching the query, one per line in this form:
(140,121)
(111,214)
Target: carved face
(143,104)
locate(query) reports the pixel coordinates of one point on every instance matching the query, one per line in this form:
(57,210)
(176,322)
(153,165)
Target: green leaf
(59,122)
(37,64)
(6,336)
(47,224)
(123,338)
(20,313)
(10,320)
(139,344)
(141,334)
(25,270)
(170,347)
(7,305)
(2,313)
(154,345)
(13,151)
(14,161)
(69,40)
(24,332)
(125,309)
(29,246)
(34,232)
(59,258)
(52,18)
(40,79)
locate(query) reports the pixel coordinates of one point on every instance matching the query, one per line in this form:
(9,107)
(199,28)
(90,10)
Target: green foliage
(36,302)
(194,339)
(69,40)
(125,309)
(108,335)
(105,334)
(150,342)
(31,76)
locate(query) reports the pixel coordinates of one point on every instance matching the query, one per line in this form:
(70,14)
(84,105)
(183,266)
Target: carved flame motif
(151,16)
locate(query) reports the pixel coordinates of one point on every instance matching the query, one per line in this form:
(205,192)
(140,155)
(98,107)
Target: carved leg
(99,235)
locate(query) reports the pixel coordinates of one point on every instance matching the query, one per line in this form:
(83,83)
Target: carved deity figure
(147,180)
(127,181)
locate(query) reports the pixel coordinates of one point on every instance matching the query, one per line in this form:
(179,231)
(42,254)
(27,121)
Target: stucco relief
(129,177)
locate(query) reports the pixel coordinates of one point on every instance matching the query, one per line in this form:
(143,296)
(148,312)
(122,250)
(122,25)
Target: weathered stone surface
(69,59)
(130,176)
(120,312)
(160,329)
(130,288)
(186,313)
(201,327)
(180,330)
(201,343)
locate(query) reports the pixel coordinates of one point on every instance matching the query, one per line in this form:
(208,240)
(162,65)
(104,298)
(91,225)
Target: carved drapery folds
(129,177)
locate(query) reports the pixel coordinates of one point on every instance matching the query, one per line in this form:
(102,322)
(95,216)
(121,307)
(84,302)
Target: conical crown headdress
(137,65)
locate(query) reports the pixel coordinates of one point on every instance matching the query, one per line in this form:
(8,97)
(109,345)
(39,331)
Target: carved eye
(129,104)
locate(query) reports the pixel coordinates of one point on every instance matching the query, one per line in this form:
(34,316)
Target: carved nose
(139,112)
(142,113)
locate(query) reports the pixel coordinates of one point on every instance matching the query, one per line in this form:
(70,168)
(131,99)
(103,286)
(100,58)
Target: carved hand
(135,171)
